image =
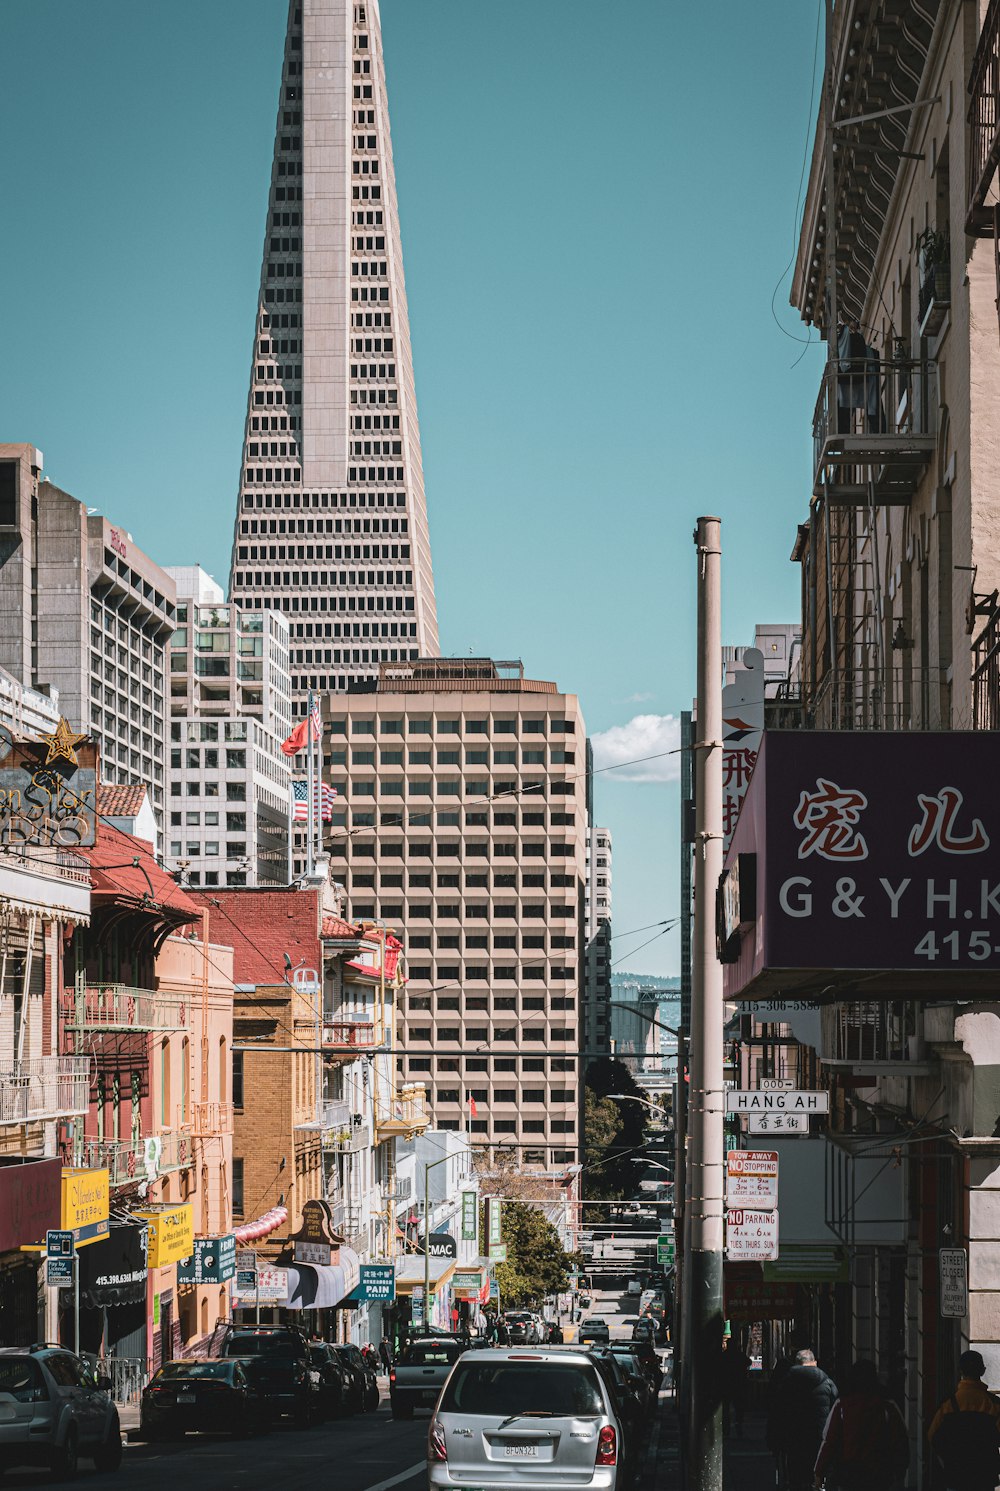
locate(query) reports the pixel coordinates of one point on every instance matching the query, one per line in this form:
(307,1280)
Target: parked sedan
(336,1381)
(204,1396)
(54,1410)
(363,1394)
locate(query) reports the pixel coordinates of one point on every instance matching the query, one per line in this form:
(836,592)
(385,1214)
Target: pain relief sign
(171,1234)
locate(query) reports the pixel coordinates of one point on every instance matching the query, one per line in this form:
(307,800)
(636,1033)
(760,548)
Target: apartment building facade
(898,681)
(85,612)
(230,709)
(597,979)
(331,524)
(464,819)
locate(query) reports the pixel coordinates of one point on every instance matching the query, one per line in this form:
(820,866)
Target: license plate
(187,1397)
(430,1394)
(521,1451)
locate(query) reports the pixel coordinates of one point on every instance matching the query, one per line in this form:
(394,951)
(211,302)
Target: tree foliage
(537,1263)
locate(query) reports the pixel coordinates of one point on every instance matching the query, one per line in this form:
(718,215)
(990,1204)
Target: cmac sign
(872,852)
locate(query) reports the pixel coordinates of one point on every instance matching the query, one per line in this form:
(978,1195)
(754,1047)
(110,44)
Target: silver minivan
(541,1418)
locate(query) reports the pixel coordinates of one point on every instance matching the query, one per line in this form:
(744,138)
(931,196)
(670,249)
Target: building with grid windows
(597,979)
(462,816)
(85,612)
(331,523)
(230,709)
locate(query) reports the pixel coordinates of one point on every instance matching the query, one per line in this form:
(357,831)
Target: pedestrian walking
(864,1443)
(735,1371)
(503,1333)
(965,1432)
(385,1353)
(801,1400)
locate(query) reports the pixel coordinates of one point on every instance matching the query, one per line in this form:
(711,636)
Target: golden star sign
(62,743)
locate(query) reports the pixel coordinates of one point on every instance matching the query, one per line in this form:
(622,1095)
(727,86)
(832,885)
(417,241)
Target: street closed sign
(752,1236)
(752,1178)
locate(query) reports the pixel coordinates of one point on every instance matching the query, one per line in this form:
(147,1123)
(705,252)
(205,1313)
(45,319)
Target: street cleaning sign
(752,1178)
(751,1236)
(753,1100)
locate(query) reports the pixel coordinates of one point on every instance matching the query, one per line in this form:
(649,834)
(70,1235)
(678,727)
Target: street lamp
(628,1097)
(652,1164)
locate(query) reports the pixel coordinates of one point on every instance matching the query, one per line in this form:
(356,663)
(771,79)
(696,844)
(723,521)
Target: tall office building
(597,972)
(462,816)
(331,524)
(230,709)
(87,613)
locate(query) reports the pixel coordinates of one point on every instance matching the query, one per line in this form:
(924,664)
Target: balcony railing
(347,1140)
(898,697)
(984,124)
(405,1113)
(333,1114)
(349,1035)
(43,1088)
(869,1037)
(873,429)
(119,1007)
(126,1159)
(986,667)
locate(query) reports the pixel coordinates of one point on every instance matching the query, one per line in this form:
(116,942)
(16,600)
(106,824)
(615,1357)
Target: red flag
(297,740)
(472,1105)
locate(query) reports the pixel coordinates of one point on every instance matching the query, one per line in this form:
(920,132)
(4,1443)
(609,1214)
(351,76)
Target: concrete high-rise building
(83,611)
(230,709)
(462,817)
(331,524)
(597,973)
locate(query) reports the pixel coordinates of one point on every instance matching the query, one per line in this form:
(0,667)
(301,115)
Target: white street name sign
(752,1236)
(752,1178)
(755,1101)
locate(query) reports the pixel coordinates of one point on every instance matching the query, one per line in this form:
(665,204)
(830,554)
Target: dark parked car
(646,1358)
(276,1361)
(642,1381)
(54,1410)
(214,1396)
(336,1382)
(364,1384)
(523,1328)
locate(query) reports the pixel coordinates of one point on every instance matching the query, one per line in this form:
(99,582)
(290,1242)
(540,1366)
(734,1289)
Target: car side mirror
(104,1383)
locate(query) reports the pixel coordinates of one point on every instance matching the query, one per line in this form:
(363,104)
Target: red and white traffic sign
(752,1236)
(752,1178)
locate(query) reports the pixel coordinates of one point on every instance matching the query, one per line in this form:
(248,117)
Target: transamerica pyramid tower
(331,526)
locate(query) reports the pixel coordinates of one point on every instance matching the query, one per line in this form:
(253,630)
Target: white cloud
(638,698)
(645,735)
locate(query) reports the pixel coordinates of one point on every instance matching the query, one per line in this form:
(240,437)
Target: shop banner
(30,1201)
(113,1271)
(470,1216)
(171,1234)
(212,1262)
(86,1204)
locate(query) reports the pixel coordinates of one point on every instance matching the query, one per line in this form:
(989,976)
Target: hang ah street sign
(777,1123)
(953,1273)
(744,1100)
(752,1178)
(752,1236)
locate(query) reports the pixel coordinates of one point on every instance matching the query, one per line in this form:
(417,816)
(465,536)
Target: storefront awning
(410,1272)
(313,1286)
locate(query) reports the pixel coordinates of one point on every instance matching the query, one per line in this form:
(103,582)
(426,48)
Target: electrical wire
(807,341)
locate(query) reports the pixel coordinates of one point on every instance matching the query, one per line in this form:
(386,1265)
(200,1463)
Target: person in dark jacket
(800,1406)
(864,1444)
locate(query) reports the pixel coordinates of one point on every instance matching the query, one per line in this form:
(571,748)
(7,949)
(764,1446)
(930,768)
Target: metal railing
(349,1140)
(44,1087)
(984,119)
(348,1035)
(406,1110)
(894,698)
(880,401)
(986,671)
(208,1119)
(129,1375)
(120,1007)
(126,1159)
(333,1114)
(867,1031)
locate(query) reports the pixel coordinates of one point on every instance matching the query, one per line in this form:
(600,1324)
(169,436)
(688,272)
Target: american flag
(317,719)
(322,794)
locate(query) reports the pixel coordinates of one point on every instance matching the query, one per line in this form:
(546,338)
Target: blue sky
(596,200)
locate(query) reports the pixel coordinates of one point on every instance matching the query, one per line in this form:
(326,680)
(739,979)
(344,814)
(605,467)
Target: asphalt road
(368,1452)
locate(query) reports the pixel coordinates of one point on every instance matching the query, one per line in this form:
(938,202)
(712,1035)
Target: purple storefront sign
(30,1201)
(873,852)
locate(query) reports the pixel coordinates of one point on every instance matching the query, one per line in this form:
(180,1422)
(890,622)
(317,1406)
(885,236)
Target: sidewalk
(748,1464)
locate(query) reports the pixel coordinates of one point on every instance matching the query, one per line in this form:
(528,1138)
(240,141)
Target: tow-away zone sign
(752,1178)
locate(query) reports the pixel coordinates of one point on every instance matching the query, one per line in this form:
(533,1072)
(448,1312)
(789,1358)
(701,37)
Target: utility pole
(704,1199)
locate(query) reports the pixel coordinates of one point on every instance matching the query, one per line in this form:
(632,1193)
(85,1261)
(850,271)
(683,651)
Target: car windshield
(503,1388)
(195,1369)
(20,1376)
(256,1343)
(427,1356)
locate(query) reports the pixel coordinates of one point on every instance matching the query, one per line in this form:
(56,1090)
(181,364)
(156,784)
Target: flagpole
(318,780)
(309,788)
(291,827)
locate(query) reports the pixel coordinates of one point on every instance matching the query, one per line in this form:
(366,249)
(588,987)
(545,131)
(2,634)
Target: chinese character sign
(742,725)
(875,851)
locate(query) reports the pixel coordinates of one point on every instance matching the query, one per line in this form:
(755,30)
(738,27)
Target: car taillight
(392,1375)
(436,1447)
(607,1446)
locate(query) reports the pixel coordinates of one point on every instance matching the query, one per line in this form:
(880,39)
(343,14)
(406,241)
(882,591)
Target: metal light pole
(704,1262)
